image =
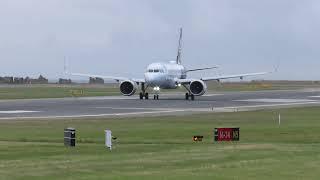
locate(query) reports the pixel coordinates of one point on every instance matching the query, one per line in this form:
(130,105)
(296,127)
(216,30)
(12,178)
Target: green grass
(54,91)
(161,148)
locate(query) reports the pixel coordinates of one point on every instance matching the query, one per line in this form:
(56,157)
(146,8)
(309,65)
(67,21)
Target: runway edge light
(108,135)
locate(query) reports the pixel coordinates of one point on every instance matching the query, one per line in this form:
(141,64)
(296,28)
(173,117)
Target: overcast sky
(121,37)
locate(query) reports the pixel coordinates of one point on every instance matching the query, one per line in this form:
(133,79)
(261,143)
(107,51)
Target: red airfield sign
(227,134)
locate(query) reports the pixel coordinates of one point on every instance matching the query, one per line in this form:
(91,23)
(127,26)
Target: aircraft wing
(201,69)
(109,77)
(218,78)
(241,76)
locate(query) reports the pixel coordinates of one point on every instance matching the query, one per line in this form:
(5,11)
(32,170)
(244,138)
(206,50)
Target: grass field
(160,148)
(55,91)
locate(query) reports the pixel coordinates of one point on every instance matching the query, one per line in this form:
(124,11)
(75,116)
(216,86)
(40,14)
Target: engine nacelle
(198,87)
(128,88)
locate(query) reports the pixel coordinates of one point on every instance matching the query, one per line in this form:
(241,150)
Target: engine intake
(198,88)
(128,88)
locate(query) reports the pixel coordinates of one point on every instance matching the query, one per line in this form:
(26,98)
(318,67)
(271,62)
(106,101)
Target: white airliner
(168,76)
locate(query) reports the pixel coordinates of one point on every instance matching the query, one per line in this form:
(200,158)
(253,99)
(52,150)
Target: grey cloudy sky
(121,37)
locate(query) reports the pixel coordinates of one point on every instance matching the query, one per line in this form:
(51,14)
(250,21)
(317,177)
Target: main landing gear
(191,96)
(144,95)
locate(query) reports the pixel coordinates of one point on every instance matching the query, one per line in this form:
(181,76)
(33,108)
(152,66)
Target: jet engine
(128,88)
(198,87)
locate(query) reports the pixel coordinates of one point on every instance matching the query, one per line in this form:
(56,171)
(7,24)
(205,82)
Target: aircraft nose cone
(152,79)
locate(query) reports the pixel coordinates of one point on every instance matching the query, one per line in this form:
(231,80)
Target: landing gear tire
(156,97)
(192,97)
(145,96)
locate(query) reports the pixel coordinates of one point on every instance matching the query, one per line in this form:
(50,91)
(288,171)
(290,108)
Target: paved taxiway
(168,104)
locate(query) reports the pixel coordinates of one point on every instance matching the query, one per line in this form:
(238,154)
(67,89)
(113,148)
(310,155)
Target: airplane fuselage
(164,75)
(167,76)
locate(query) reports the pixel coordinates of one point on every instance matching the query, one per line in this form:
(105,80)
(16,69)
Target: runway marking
(209,95)
(314,96)
(129,108)
(91,115)
(277,100)
(17,112)
(254,107)
(107,98)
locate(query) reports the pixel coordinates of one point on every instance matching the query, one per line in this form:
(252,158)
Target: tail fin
(179,48)
(65,68)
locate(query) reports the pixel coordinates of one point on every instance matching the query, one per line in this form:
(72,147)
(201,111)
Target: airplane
(168,76)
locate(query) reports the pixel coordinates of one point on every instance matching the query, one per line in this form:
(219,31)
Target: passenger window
(156,70)
(150,70)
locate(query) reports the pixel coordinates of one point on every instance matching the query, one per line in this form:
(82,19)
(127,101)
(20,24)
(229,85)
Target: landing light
(156,88)
(179,85)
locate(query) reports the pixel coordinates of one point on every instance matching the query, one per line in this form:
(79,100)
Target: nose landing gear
(156,97)
(156,91)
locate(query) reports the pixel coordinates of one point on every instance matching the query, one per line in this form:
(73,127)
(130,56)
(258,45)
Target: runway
(168,104)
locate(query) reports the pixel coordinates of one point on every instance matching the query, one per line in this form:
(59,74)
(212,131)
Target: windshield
(155,70)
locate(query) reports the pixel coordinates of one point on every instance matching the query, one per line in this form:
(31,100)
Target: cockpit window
(155,70)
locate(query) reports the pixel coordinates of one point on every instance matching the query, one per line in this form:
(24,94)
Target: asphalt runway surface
(168,104)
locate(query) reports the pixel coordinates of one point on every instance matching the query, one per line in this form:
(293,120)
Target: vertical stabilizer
(65,66)
(179,48)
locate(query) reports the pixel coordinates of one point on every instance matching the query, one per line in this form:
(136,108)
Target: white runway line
(314,96)
(130,108)
(255,107)
(92,115)
(17,112)
(107,98)
(277,100)
(210,95)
